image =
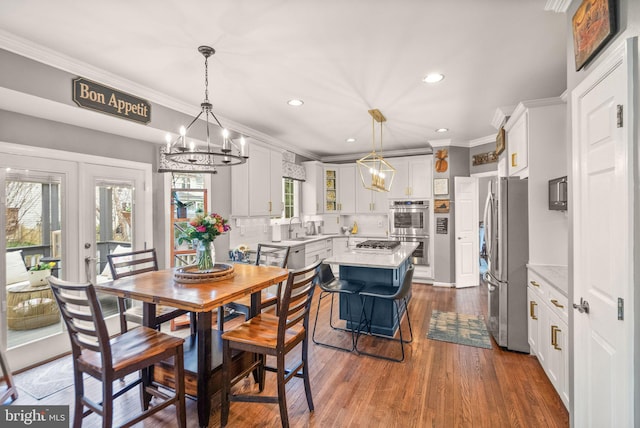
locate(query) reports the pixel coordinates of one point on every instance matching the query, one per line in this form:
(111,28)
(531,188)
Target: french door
(69,211)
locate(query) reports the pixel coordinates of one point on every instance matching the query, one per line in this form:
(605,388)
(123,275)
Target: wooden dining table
(203,351)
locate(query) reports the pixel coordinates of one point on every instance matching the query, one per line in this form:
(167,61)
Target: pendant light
(183,155)
(375,172)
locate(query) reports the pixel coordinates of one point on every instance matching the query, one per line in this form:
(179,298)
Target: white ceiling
(341,57)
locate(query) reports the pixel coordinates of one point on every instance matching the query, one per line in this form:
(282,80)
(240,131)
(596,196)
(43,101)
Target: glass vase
(205,255)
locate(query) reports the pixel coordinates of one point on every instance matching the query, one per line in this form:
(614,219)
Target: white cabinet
(256,187)
(536,129)
(369,201)
(548,331)
(414,177)
(340,189)
(318,250)
(312,188)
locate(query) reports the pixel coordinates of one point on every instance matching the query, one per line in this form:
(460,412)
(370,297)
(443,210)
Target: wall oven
(409,218)
(420,255)
(409,222)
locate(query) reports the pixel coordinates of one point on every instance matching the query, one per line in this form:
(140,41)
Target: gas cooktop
(373,245)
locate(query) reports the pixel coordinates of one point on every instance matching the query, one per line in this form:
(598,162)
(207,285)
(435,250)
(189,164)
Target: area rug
(46,379)
(459,328)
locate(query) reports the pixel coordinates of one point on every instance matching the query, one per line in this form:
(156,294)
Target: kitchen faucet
(291,226)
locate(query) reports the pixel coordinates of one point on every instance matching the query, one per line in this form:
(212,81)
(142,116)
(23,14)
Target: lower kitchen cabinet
(549,332)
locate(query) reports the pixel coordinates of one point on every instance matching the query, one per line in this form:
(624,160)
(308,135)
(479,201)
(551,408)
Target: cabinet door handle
(532,310)
(535,284)
(514,159)
(556,304)
(554,337)
(269,206)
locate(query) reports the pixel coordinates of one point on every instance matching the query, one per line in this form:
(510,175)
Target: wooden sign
(484,158)
(94,96)
(441,206)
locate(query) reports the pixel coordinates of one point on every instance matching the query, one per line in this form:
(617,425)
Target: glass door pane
(113,231)
(33,240)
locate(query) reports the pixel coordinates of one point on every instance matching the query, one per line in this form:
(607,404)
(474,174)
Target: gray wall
(444,245)
(31,77)
(489,147)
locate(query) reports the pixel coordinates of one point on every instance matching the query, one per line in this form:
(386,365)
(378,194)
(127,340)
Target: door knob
(583,307)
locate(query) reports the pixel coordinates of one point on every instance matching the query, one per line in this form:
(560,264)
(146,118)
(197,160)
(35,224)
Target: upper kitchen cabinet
(313,188)
(414,177)
(533,130)
(340,189)
(257,185)
(370,201)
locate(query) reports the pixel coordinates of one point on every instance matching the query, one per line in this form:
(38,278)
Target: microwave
(558,194)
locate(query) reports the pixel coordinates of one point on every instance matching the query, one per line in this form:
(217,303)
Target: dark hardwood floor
(438,385)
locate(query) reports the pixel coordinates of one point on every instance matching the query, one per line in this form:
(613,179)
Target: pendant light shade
(375,172)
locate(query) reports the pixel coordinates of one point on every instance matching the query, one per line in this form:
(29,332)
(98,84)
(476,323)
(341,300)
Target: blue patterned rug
(459,328)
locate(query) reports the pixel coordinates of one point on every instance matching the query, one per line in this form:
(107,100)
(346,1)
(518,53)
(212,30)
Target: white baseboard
(443,284)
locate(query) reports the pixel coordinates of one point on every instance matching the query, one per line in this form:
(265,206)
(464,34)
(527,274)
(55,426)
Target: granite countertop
(556,275)
(367,258)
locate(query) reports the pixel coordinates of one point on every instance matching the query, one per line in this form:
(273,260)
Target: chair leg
(79,393)
(122,308)
(107,402)
(282,396)
(313,335)
(181,409)
(226,382)
(263,372)
(406,308)
(305,372)
(401,339)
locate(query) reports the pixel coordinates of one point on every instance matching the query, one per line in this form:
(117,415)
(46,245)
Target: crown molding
(525,105)
(387,154)
(484,140)
(558,6)
(28,49)
(501,115)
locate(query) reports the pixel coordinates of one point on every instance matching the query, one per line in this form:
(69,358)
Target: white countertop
(373,259)
(315,238)
(556,275)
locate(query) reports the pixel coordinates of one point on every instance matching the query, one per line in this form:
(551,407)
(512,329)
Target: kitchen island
(374,266)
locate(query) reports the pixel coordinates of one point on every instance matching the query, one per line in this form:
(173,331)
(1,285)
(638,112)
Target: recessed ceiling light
(433,78)
(295,103)
(442,129)
(350,140)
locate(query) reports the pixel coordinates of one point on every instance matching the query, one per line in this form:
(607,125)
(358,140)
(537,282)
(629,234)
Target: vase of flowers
(38,274)
(201,232)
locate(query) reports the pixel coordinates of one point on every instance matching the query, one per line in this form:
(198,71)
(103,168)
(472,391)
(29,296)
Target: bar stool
(396,294)
(330,286)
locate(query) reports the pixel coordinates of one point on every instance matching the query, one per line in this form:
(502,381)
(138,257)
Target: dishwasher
(296,257)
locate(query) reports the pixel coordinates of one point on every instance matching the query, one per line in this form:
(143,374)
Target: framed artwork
(593,24)
(483,158)
(500,143)
(441,206)
(440,186)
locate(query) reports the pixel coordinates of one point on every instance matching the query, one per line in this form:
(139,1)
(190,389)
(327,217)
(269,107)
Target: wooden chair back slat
(296,299)
(132,263)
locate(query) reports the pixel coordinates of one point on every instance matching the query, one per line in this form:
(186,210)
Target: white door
(114,216)
(466,227)
(603,246)
(36,207)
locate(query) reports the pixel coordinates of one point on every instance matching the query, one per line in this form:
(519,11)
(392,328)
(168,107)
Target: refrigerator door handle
(488,212)
(492,281)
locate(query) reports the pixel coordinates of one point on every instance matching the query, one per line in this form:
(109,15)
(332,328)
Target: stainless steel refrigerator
(507,242)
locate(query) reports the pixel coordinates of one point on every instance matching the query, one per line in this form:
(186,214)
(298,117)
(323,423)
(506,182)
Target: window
(290,196)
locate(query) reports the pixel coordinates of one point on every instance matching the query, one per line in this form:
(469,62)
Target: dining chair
(131,263)
(386,292)
(275,335)
(107,360)
(11,390)
(330,287)
(266,255)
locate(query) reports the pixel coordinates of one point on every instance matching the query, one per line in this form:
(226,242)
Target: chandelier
(375,172)
(183,155)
